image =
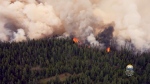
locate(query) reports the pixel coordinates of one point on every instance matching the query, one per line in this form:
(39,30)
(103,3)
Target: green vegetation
(55,61)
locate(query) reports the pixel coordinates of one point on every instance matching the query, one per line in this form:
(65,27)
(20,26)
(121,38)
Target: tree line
(35,61)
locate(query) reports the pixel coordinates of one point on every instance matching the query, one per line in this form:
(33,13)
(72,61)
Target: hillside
(61,61)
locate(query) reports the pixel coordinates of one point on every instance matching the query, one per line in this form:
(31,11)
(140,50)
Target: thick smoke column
(131,19)
(106,36)
(35,20)
(85,19)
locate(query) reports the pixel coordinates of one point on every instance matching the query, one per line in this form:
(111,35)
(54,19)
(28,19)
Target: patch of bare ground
(62,77)
(37,68)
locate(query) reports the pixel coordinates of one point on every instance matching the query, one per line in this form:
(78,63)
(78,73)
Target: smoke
(19,36)
(85,19)
(131,22)
(106,36)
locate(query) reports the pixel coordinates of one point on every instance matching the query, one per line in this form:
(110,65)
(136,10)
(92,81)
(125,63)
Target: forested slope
(56,61)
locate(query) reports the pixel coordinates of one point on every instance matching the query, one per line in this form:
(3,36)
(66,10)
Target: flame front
(75,40)
(108,49)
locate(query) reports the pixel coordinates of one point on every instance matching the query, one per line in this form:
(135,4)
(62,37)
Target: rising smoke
(85,19)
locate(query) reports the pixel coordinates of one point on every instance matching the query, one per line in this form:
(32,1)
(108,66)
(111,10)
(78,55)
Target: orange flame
(75,40)
(108,49)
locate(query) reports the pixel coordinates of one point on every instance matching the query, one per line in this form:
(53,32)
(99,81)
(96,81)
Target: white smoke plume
(19,36)
(84,19)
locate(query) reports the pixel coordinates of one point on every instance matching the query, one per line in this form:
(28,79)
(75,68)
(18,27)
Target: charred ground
(62,61)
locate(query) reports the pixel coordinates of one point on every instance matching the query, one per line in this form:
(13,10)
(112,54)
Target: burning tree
(108,49)
(75,40)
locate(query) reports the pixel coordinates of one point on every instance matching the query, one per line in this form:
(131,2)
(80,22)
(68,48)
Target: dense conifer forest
(60,61)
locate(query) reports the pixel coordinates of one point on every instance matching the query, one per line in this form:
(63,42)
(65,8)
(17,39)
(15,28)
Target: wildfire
(75,40)
(108,49)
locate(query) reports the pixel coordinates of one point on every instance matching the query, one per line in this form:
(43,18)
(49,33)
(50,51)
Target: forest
(60,61)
